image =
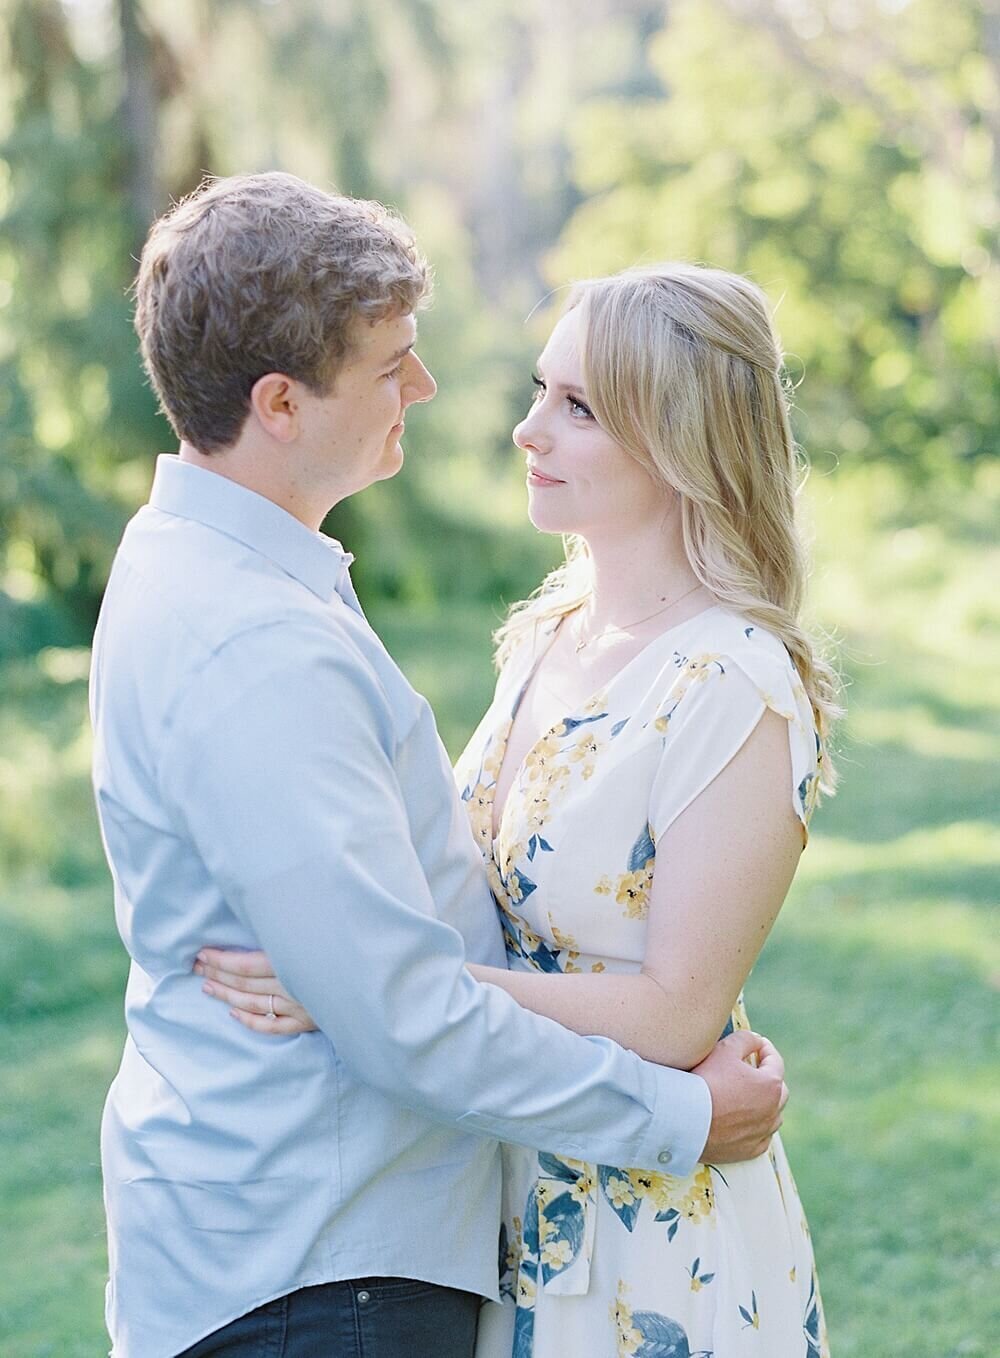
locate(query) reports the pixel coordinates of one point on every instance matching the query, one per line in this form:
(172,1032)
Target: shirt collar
(191,492)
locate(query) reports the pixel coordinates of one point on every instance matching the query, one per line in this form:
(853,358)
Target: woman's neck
(640,574)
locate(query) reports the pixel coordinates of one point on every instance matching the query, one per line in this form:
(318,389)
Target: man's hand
(746,1101)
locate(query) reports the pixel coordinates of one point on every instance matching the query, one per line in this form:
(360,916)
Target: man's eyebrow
(398,355)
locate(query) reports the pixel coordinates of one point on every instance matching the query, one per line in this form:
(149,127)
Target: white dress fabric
(605,1261)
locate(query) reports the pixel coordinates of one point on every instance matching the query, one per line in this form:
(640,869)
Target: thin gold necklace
(625,626)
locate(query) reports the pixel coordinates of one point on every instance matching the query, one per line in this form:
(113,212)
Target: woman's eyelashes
(577,407)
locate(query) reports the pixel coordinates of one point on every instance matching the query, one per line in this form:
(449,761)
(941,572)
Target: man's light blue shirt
(266,777)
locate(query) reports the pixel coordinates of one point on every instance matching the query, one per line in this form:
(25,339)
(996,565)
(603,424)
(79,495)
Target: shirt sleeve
(281,771)
(710,716)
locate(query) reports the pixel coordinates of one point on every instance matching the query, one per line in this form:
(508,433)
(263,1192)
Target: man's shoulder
(195,581)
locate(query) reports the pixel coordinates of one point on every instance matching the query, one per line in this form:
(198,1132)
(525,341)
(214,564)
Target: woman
(641,789)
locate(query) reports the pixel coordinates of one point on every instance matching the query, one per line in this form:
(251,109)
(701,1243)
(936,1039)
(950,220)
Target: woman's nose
(530,434)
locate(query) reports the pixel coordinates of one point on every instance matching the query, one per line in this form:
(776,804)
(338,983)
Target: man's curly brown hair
(263,273)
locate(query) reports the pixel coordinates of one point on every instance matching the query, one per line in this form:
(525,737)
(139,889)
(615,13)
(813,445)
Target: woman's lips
(536,478)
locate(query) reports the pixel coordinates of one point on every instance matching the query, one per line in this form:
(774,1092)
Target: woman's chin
(545,521)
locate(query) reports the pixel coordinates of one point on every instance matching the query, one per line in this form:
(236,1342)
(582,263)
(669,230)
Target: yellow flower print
(647,1183)
(491,764)
(494,880)
(539,760)
(598,966)
(560,939)
(619,1192)
(632,891)
(629,1338)
(693,1198)
(525,1291)
(586,747)
(513,889)
(604,887)
(480,809)
(583,1187)
(538,808)
(558,1254)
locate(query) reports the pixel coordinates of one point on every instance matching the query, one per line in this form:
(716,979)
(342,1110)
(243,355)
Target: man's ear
(276,405)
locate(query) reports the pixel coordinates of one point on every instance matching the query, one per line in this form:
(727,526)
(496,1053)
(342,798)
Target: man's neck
(248,468)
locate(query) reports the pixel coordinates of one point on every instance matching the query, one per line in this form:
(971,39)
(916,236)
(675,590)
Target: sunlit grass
(879,983)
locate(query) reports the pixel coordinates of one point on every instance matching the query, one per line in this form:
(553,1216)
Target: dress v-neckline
(505,731)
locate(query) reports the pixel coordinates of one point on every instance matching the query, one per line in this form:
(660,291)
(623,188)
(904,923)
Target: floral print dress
(602,1260)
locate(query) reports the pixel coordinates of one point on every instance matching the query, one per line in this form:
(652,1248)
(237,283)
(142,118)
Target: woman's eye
(578,408)
(539,387)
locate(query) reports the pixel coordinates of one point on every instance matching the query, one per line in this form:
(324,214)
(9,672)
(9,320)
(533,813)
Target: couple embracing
(486,1107)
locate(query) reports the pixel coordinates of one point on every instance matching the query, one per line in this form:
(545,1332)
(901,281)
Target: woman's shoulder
(721,642)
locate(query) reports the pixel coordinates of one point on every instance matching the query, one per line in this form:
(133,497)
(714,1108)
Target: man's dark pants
(363,1318)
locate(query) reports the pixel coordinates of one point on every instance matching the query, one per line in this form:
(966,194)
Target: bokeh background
(847,156)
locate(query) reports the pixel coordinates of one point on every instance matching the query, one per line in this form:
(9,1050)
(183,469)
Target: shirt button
(664,1158)
(364,1298)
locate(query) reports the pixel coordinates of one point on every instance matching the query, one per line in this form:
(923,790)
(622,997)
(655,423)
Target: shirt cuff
(681,1121)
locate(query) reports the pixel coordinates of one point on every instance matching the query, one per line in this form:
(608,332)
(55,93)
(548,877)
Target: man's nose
(420,385)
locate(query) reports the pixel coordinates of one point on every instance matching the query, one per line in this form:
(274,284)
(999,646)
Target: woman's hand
(247,983)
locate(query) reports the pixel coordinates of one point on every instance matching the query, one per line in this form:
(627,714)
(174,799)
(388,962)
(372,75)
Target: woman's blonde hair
(683,368)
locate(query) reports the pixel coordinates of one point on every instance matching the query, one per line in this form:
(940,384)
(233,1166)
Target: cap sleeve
(710,713)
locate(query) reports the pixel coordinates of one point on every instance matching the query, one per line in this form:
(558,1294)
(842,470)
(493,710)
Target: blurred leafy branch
(847,156)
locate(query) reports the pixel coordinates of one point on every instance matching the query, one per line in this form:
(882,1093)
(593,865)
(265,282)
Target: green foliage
(850,166)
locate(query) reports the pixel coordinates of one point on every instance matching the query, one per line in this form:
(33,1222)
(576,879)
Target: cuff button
(664,1158)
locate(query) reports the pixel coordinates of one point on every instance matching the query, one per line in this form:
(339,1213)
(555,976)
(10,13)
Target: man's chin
(392,461)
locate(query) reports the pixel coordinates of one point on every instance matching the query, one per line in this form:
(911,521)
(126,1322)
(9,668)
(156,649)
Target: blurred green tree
(848,158)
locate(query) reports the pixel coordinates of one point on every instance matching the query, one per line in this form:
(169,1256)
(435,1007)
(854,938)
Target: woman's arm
(723,869)
(725,865)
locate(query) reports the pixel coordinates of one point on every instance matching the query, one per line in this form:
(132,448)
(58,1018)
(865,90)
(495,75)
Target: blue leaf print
(569,724)
(620,1196)
(530,1231)
(619,726)
(811,1325)
(748,631)
(524,1333)
(532,846)
(544,958)
(642,850)
(671,1214)
(554,1168)
(566,1214)
(544,845)
(729,1028)
(662,1337)
(525,884)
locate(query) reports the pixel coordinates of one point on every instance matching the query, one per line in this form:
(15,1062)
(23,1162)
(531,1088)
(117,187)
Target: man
(265,777)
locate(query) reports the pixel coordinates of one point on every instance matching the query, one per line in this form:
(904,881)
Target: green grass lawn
(879,982)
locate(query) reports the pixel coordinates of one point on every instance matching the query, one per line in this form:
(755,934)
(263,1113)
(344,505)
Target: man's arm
(280,769)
